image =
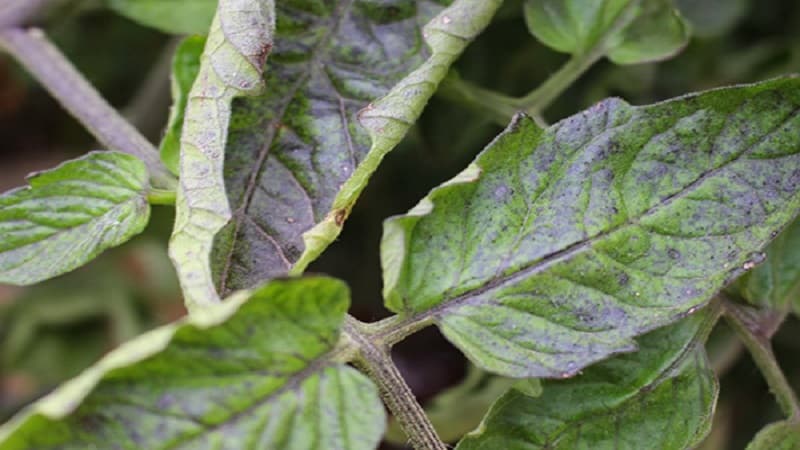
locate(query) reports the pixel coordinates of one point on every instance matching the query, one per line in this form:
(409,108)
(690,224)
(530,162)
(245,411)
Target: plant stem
(376,361)
(535,102)
(755,336)
(161,197)
(47,64)
(498,107)
(18,12)
(394,329)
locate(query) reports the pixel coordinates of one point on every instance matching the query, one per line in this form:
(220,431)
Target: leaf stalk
(755,334)
(376,361)
(48,65)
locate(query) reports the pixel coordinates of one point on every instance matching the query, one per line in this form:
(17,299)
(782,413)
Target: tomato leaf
(170,16)
(259,370)
(555,248)
(233,59)
(661,397)
(783,435)
(70,214)
(626,31)
(345,82)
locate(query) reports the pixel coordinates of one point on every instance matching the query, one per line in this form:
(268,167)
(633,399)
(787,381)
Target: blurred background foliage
(50,332)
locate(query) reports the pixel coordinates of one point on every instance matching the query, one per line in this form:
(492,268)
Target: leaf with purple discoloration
(261,370)
(557,247)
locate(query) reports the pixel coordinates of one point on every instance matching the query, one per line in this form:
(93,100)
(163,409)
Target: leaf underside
(557,247)
(238,43)
(70,214)
(299,155)
(661,397)
(256,373)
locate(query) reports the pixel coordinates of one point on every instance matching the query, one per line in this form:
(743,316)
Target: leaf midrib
(442,307)
(292,383)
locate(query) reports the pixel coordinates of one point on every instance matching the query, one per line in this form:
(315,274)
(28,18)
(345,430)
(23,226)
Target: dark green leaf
(249,373)
(776,283)
(661,397)
(345,81)
(185,67)
(556,248)
(626,31)
(70,214)
(777,436)
(171,16)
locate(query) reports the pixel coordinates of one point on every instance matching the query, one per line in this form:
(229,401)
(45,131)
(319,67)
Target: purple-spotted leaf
(661,398)
(775,283)
(345,81)
(261,370)
(557,247)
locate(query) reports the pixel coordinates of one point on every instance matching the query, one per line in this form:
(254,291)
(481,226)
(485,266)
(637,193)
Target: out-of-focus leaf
(171,16)
(259,370)
(185,67)
(70,214)
(661,397)
(625,31)
(557,247)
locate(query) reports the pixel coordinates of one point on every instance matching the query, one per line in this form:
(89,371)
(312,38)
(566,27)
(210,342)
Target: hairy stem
(496,106)
(376,361)
(394,329)
(755,334)
(47,64)
(535,102)
(161,197)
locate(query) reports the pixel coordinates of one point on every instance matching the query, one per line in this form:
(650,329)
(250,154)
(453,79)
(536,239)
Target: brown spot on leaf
(340,216)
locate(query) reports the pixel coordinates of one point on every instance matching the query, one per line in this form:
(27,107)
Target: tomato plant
(580,266)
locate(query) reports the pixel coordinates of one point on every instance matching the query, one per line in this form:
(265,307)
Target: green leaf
(67,303)
(170,16)
(346,81)
(237,47)
(775,283)
(626,31)
(661,397)
(185,67)
(555,248)
(70,214)
(249,373)
(783,435)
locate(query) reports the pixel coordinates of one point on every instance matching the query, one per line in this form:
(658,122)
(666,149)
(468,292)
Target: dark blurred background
(50,332)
